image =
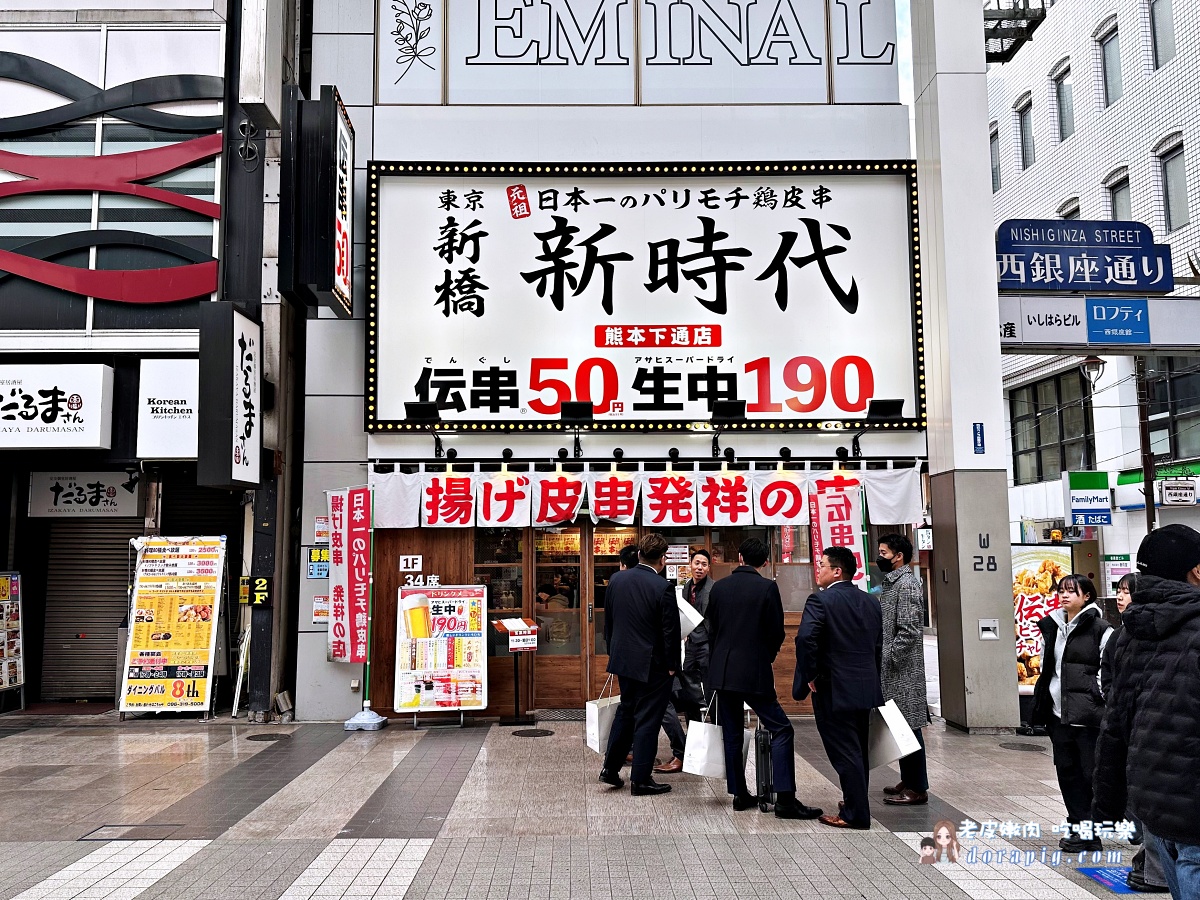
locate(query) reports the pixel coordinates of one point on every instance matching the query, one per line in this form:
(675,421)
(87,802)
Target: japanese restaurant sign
(12,651)
(835,505)
(441,663)
(56,406)
(350,560)
(1037,569)
(613,496)
(57,495)
(173,624)
(649,290)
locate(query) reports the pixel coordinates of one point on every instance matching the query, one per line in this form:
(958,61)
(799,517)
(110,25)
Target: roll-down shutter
(86,599)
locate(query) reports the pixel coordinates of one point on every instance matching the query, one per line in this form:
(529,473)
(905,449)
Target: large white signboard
(168,398)
(649,292)
(56,406)
(672,52)
(247,401)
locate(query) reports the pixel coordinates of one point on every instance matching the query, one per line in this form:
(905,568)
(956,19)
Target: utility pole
(1143,394)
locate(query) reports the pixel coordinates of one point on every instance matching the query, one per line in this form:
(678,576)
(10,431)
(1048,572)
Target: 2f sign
(260,591)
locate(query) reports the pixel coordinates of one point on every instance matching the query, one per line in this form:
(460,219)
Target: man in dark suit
(745,632)
(641,629)
(838,655)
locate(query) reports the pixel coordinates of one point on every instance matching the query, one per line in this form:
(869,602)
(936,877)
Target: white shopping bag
(704,750)
(890,738)
(689,617)
(600,715)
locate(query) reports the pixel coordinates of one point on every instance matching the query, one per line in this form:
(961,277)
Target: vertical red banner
(358,570)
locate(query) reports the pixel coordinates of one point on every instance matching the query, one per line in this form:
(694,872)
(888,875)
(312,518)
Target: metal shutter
(86,594)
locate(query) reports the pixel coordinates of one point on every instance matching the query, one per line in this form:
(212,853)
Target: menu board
(173,624)
(441,660)
(1037,569)
(12,661)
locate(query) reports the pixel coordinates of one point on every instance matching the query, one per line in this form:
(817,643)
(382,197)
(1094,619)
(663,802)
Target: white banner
(893,496)
(397,498)
(660,295)
(56,406)
(168,401)
(448,499)
(503,499)
(57,495)
(724,498)
(835,504)
(613,496)
(779,498)
(557,498)
(668,499)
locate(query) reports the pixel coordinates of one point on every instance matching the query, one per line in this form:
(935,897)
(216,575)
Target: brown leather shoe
(908,798)
(670,768)
(629,759)
(839,822)
(892,791)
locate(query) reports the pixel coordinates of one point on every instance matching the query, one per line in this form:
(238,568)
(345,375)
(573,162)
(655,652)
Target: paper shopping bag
(890,737)
(704,751)
(599,719)
(689,617)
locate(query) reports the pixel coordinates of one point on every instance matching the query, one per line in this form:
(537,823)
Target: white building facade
(1097,118)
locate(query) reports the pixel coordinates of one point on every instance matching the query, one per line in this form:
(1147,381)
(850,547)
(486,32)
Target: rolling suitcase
(764,784)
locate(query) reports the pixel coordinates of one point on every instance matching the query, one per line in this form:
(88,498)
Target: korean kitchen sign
(665,52)
(56,406)
(649,290)
(57,495)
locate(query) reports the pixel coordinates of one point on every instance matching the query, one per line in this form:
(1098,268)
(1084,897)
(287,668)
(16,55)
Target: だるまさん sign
(56,407)
(1079,255)
(54,495)
(230,408)
(649,290)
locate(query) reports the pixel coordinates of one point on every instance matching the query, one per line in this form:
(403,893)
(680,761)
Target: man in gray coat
(903,671)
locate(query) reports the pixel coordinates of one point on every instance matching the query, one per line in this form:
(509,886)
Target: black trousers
(636,725)
(844,735)
(913,771)
(1075,762)
(775,720)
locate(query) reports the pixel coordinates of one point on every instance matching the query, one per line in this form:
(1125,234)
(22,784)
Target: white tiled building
(1098,117)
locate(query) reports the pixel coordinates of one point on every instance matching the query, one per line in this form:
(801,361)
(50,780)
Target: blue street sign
(1081,255)
(1118,320)
(977,435)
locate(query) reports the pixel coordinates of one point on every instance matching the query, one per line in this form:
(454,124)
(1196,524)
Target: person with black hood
(1149,747)
(1067,697)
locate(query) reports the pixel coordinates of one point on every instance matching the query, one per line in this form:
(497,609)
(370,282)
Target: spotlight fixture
(722,413)
(429,415)
(578,413)
(878,411)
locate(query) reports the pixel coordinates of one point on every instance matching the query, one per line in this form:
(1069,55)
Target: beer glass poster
(441,661)
(173,624)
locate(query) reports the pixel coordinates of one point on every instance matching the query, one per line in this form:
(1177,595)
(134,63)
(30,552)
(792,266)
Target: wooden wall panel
(785,668)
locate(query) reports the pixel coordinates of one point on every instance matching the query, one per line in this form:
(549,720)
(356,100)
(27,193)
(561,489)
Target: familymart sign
(1087,499)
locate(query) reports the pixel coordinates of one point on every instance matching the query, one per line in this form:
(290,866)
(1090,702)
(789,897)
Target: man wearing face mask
(903,669)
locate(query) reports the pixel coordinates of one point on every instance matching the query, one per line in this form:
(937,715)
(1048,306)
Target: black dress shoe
(1079,845)
(1136,882)
(796,811)
(744,801)
(647,788)
(611,778)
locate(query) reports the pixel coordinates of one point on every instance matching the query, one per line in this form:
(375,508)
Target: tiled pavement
(187,811)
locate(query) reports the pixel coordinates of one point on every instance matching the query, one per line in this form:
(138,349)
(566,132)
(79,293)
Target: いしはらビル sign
(1079,255)
(649,290)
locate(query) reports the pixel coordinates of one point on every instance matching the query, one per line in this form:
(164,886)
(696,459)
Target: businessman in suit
(641,628)
(839,649)
(745,628)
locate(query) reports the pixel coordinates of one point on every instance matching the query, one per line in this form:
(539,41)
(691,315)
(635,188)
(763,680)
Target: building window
(1162,32)
(1174,383)
(1174,183)
(1069,209)
(1110,64)
(1025,130)
(1051,428)
(1120,201)
(994,147)
(1065,105)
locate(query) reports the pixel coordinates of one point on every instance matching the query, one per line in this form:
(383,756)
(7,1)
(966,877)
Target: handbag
(600,714)
(890,737)
(689,617)
(704,750)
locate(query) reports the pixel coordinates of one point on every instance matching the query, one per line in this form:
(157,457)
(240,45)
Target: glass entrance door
(559,666)
(606,562)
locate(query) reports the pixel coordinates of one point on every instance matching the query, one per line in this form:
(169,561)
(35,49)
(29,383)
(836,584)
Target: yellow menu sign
(173,624)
